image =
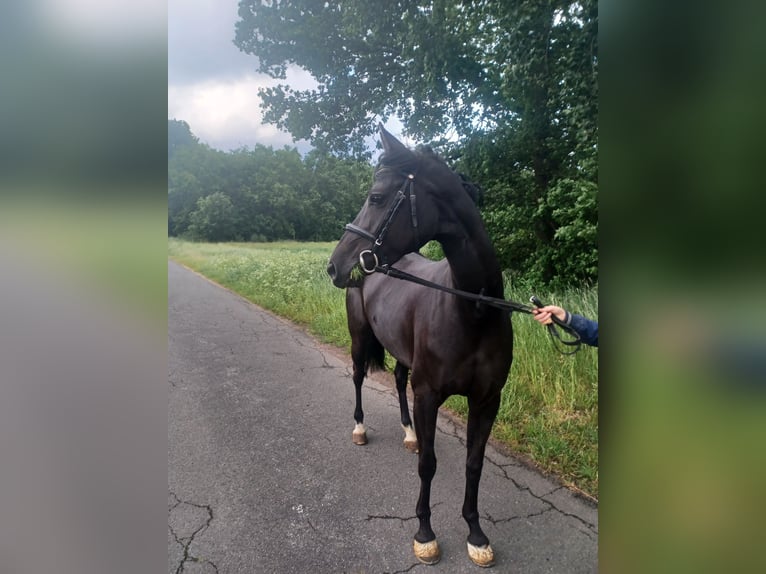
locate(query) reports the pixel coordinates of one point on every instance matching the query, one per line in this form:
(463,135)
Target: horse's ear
(391,145)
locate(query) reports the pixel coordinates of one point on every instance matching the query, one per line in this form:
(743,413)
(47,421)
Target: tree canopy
(445,67)
(259,194)
(507,90)
(179,135)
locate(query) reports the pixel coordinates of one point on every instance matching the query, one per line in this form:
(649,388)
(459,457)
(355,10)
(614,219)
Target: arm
(586,328)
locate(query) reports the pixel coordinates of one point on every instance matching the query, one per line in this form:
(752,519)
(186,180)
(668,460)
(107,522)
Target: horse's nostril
(331,271)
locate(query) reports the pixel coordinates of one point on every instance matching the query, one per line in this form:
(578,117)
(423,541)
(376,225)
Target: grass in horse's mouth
(356,273)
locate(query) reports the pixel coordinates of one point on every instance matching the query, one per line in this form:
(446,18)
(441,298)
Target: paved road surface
(263,476)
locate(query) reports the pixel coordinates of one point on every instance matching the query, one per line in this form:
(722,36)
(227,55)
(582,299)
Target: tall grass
(549,406)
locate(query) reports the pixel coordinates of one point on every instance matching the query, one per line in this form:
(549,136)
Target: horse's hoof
(481,555)
(359,436)
(427,552)
(410,439)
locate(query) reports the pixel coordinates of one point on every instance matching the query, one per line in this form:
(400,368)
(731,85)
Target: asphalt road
(263,476)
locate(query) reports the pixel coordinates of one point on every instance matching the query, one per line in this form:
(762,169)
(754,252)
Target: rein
(503,304)
(373,266)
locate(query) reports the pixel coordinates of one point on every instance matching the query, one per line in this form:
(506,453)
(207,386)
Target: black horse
(451,345)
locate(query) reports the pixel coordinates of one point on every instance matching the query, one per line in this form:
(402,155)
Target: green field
(549,408)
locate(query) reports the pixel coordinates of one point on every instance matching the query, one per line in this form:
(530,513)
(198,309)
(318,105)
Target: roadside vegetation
(549,409)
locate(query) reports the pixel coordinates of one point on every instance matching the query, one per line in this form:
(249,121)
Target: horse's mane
(403,162)
(474,190)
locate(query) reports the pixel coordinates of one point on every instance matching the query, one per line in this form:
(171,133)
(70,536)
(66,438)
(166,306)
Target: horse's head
(399,215)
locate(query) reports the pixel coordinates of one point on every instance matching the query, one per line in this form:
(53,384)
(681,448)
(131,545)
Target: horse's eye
(376,199)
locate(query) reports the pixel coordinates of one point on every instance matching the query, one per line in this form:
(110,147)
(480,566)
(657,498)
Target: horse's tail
(375,355)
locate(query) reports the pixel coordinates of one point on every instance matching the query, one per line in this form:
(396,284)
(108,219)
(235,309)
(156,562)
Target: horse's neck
(471,256)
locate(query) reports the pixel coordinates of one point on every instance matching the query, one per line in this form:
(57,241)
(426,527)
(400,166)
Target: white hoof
(427,552)
(410,439)
(359,436)
(481,555)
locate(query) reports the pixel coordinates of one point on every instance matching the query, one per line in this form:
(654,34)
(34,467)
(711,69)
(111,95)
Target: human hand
(543,314)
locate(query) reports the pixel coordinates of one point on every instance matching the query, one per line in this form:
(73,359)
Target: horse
(450,345)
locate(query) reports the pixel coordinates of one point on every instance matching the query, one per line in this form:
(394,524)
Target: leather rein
(368,261)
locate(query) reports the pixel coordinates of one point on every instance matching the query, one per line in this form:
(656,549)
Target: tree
(194,171)
(541,161)
(179,134)
(336,191)
(370,59)
(214,218)
(274,194)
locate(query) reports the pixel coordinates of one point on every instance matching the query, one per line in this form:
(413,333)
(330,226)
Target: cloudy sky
(212,85)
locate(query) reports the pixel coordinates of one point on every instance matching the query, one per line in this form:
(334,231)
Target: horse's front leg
(410,439)
(480,419)
(425,409)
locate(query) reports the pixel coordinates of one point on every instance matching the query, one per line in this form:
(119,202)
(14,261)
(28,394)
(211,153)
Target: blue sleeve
(586,328)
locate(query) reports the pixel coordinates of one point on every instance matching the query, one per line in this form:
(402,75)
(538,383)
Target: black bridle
(479,298)
(380,234)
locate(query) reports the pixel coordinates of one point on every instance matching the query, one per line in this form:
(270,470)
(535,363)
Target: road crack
(389,517)
(589,525)
(405,570)
(496,521)
(186,541)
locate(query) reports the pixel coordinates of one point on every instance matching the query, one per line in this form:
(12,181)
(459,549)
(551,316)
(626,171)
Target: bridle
(378,237)
(480,299)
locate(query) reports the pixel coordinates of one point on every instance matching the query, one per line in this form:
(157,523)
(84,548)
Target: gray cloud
(212,85)
(200,42)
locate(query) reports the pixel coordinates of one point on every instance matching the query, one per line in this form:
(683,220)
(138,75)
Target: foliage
(179,135)
(261,194)
(370,59)
(214,218)
(549,406)
(507,90)
(432,250)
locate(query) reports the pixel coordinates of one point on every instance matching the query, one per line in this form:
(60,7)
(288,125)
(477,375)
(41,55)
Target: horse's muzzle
(332,271)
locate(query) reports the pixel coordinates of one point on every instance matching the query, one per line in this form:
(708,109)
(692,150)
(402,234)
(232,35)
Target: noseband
(378,237)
